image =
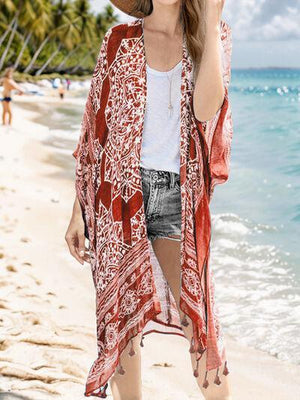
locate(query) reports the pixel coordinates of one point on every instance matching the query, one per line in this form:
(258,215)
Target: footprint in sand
(28,374)
(11,268)
(12,396)
(3,306)
(165,364)
(25,240)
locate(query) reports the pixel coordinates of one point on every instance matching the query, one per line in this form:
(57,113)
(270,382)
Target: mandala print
(111,337)
(145,286)
(191,280)
(128,303)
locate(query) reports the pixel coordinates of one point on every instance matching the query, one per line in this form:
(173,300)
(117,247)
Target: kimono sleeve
(218,130)
(84,152)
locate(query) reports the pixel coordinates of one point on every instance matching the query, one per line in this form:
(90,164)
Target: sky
(264,32)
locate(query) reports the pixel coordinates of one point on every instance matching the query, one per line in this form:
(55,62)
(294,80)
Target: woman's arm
(75,237)
(15,86)
(209,88)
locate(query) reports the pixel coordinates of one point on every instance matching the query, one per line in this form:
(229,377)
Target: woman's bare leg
(9,112)
(3,111)
(168,254)
(6,111)
(129,385)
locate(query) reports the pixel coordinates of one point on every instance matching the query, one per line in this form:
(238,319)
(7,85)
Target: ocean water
(256,215)
(255,253)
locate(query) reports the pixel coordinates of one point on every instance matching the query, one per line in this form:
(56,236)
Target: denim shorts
(162,203)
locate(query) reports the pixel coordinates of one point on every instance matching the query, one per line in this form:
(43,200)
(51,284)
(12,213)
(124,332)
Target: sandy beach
(47,317)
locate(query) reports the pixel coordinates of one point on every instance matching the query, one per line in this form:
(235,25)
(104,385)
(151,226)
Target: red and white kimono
(132,294)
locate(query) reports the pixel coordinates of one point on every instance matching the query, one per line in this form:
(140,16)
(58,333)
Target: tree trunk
(68,56)
(3,37)
(74,69)
(19,58)
(13,32)
(36,54)
(49,60)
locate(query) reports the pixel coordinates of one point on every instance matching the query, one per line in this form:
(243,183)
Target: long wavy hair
(193,25)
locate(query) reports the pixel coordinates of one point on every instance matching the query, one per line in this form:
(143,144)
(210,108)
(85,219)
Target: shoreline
(42,332)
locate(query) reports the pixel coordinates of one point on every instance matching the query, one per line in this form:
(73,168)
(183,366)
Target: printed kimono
(132,295)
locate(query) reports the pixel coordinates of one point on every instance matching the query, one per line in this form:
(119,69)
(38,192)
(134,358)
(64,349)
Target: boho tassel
(196,373)
(217,379)
(141,342)
(184,321)
(225,370)
(205,382)
(102,392)
(192,347)
(121,370)
(131,351)
(201,349)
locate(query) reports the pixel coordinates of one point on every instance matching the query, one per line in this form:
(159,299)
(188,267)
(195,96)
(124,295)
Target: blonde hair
(193,24)
(8,71)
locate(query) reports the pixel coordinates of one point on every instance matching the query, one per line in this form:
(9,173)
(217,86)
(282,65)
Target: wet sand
(47,317)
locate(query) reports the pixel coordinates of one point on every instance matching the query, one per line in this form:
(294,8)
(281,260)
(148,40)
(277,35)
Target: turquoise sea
(255,214)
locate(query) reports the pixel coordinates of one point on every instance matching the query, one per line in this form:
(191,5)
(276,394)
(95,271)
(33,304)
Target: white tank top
(161,134)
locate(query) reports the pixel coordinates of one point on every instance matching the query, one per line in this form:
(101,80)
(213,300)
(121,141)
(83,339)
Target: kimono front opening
(132,294)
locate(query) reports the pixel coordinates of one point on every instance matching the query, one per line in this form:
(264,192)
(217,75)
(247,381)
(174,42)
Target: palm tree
(33,24)
(64,32)
(85,23)
(55,33)
(103,22)
(12,10)
(60,14)
(8,8)
(105,19)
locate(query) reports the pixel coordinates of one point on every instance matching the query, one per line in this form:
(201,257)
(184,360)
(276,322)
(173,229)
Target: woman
(8,85)
(155,140)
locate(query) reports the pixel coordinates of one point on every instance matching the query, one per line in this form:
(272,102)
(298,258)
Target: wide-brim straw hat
(127,7)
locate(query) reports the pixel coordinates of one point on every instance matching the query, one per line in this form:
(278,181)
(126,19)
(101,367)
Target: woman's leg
(9,112)
(129,385)
(168,255)
(4,111)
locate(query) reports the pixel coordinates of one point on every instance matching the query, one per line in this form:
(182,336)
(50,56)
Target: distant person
(8,85)
(61,91)
(68,84)
(56,82)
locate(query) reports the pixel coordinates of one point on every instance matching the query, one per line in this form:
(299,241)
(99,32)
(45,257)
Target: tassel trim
(131,351)
(102,392)
(141,342)
(225,370)
(192,346)
(217,380)
(121,370)
(196,372)
(184,321)
(205,382)
(199,345)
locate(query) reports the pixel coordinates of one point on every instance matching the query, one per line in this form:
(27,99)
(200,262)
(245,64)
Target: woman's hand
(214,10)
(75,235)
